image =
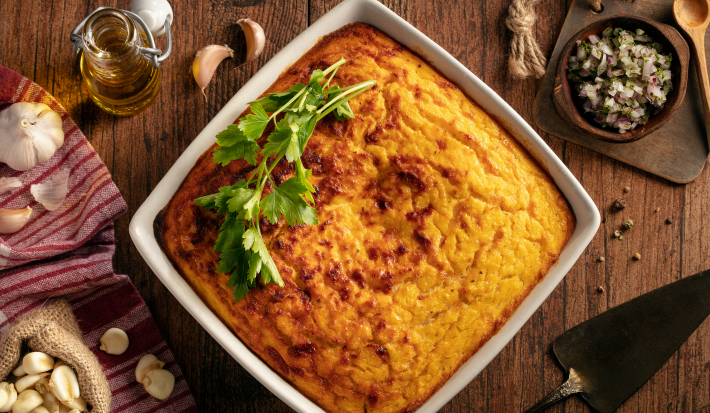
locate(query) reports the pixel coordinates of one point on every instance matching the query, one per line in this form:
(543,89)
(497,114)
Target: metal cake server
(610,356)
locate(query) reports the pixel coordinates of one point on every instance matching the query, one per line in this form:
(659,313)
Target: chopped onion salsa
(622,78)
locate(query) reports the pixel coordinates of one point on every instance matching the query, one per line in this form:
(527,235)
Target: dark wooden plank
(139,151)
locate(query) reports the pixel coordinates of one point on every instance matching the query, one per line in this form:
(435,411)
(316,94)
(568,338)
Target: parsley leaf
(279,140)
(242,251)
(253,125)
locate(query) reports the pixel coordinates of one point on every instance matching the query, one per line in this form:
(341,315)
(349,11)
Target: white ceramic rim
(374,13)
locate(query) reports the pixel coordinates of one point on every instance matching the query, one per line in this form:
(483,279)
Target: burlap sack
(52,329)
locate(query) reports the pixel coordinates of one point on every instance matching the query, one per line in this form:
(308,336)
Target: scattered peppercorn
(669,221)
(619,204)
(617,234)
(637,256)
(600,289)
(627,189)
(600,259)
(628,224)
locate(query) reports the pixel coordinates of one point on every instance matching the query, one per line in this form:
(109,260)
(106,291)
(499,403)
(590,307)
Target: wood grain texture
(34,41)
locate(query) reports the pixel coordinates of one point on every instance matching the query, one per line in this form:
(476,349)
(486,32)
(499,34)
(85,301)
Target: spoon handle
(697,45)
(574,384)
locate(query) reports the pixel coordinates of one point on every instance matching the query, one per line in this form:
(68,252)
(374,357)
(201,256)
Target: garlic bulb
(52,193)
(12,220)
(8,184)
(206,61)
(254,35)
(30,133)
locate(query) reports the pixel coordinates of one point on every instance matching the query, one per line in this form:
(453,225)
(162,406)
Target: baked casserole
(435,224)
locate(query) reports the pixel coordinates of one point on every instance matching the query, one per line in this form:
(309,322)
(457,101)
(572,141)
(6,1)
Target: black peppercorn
(619,204)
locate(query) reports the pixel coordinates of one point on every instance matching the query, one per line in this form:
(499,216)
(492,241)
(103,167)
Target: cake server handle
(574,384)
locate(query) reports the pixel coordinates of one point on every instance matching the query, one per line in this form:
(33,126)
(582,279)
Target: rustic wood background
(34,41)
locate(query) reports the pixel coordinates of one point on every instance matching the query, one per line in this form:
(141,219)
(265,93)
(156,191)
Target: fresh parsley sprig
(243,253)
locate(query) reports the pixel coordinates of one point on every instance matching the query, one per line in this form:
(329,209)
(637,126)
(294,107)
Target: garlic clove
(114,341)
(39,409)
(27,401)
(28,381)
(58,363)
(64,384)
(159,383)
(4,394)
(77,403)
(206,61)
(37,362)
(30,133)
(50,402)
(75,411)
(12,220)
(52,193)
(255,38)
(19,371)
(42,385)
(9,388)
(145,364)
(9,183)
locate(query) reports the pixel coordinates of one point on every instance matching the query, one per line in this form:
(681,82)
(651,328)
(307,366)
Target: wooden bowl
(569,107)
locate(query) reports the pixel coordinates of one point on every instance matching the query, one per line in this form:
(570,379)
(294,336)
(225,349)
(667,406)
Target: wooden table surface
(34,41)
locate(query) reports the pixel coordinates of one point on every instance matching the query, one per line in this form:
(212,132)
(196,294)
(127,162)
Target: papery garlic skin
(255,38)
(64,384)
(30,133)
(12,220)
(159,383)
(114,341)
(9,183)
(51,194)
(42,385)
(37,362)
(145,364)
(28,381)
(206,61)
(8,388)
(27,401)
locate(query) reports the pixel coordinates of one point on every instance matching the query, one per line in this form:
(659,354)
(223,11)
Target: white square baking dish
(374,13)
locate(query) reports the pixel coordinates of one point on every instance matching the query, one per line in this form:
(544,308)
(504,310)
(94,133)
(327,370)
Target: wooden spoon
(693,17)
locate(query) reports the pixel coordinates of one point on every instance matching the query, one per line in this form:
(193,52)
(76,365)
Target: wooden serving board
(678,150)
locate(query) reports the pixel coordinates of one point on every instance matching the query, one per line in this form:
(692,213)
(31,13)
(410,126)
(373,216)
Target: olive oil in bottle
(118,77)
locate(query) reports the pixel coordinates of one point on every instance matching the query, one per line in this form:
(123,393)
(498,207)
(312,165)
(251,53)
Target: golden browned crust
(434,226)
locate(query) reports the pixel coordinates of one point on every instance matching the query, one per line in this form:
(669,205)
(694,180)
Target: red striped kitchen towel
(68,252)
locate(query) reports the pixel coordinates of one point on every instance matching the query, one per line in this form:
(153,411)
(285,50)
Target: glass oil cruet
(120,64)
